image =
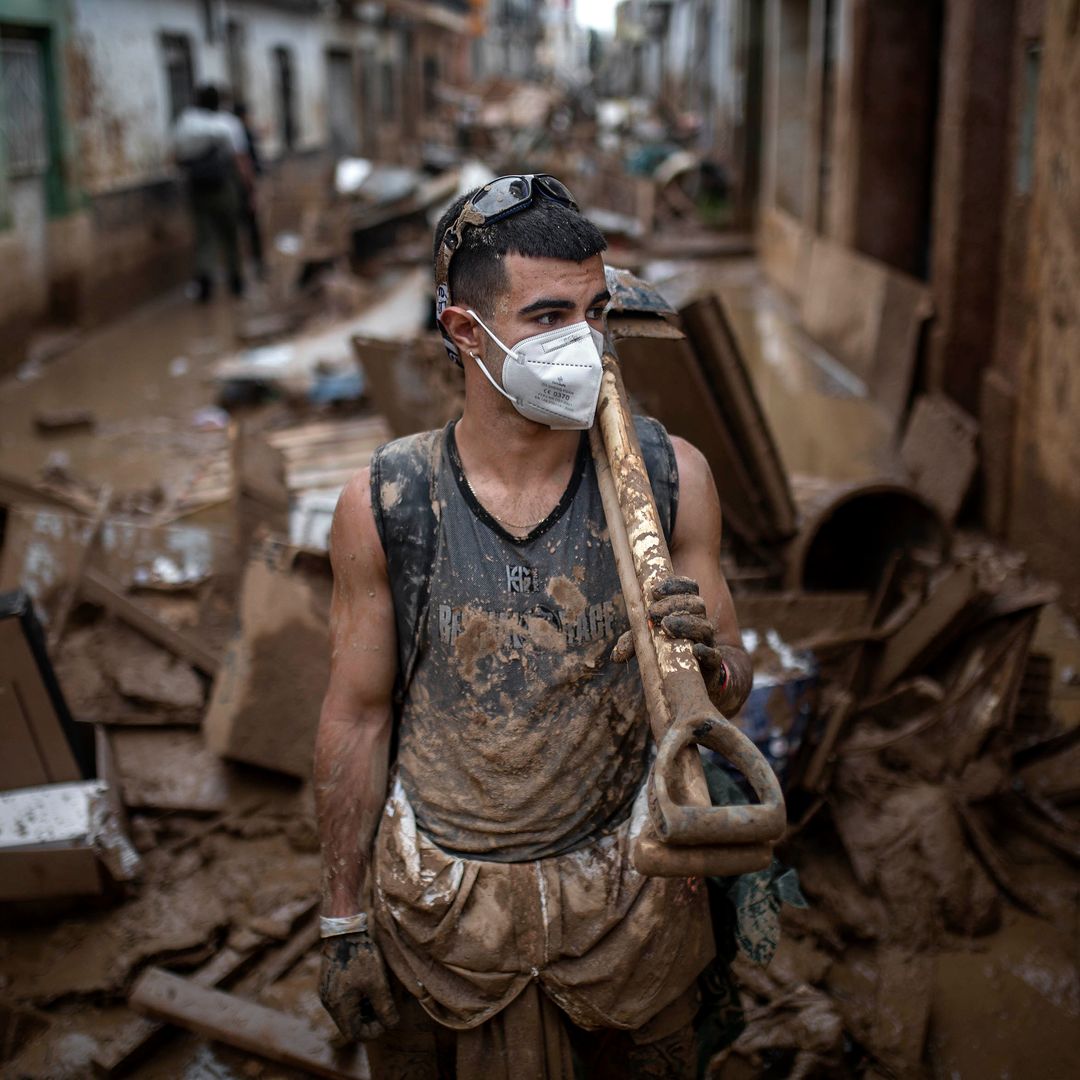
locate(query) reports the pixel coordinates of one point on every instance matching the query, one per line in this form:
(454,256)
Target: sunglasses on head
(503,197)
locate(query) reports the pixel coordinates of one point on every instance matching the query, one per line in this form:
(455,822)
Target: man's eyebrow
(551,304)
(547,304)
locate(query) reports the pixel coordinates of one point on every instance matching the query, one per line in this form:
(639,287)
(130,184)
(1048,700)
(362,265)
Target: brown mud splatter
(480,636)
(567,595)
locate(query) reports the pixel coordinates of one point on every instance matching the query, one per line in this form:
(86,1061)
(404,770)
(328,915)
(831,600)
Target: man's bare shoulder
(354,540)
(693,468)
(699,515)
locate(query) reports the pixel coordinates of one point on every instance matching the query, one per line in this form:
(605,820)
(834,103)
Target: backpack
(209,171)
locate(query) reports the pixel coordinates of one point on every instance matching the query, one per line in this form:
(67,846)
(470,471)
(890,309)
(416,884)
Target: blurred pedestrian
(249,209)
(210,151)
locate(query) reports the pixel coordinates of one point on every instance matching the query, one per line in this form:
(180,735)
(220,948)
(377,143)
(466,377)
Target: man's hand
(678,609)
(354,988)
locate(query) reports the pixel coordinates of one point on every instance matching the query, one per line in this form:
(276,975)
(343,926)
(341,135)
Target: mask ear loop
(480,363)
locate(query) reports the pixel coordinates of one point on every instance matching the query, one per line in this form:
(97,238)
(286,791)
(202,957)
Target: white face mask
(553,377)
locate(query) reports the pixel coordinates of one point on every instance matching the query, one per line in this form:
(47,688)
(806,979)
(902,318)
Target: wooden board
(784,247)
(654,357)
(48,872)
(264,708)
(938,452)
(718,353)
(273,1035)
(169,769)
(868,316)
(954,590)
(100,589)
(801,616)
(841,309)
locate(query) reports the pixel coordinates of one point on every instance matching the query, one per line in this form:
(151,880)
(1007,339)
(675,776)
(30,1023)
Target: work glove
(679,611)
(353,986)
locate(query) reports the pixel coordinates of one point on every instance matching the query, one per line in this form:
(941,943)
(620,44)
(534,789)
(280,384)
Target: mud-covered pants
(532,1039)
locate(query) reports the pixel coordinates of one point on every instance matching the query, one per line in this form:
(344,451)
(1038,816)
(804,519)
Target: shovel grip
(680,819)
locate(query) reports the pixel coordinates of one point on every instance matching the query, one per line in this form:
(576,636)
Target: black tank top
(518,737)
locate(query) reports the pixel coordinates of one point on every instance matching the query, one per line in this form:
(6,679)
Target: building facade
(90,204)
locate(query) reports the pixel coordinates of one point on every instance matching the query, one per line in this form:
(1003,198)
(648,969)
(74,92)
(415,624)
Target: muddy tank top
(518,737)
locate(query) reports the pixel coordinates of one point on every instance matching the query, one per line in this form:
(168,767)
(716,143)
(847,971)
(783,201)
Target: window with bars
(23,124)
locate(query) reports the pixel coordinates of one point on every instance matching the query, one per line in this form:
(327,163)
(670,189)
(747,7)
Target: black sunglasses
(503,197)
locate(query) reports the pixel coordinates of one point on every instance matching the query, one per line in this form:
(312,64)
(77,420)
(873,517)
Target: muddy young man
(484,742)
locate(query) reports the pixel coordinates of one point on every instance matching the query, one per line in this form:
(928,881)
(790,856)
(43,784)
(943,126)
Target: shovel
(685,835)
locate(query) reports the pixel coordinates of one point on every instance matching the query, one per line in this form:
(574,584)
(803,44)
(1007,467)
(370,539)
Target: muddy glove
(354,988)
(680,613)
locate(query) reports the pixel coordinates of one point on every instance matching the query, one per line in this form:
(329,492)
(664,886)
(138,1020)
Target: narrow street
(880,380)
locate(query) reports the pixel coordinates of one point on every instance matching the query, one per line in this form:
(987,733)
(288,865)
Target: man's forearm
(351,768)
(728,694)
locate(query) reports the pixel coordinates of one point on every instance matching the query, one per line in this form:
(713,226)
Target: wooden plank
(40,873)
(718,353)
(137,1035)
(276,1036)
(954,590)
(100,589)
(800,616)
(328,431)
(654,356)
(71,590)
(906,307)
(938,452)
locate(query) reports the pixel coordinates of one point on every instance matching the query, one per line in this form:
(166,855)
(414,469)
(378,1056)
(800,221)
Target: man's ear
(463,330)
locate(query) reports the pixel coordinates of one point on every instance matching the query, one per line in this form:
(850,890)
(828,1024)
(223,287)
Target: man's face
(545,294)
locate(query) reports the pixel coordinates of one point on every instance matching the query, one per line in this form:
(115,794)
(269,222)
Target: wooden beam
(103,590)
(71,589)
(276,1036)
(138,1035)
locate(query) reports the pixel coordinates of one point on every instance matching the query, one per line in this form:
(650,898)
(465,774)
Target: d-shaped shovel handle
(681,820)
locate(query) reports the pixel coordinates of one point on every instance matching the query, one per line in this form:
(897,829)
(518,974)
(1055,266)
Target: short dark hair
(208,97)
(546,230)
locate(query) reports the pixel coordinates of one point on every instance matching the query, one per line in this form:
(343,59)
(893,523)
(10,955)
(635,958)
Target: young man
(481,754)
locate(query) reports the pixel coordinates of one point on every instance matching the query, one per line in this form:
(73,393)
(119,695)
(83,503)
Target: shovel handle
(681,820)
(680,712)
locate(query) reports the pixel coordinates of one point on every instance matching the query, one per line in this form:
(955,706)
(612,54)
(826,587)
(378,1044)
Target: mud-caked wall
(1045,504)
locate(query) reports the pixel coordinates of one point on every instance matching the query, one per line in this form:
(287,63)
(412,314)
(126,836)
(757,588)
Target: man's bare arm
(695,553)
(352,748)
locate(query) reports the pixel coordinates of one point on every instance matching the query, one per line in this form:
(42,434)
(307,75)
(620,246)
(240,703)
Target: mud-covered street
(839,262)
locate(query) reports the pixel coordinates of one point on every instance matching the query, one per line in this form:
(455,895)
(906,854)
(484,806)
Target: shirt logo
(521,579)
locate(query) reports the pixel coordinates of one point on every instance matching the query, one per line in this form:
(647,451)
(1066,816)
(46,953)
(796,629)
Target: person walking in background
(212,154)
(249,210)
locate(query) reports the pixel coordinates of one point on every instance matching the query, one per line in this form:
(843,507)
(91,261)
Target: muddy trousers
(215,214)
(532,1039)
